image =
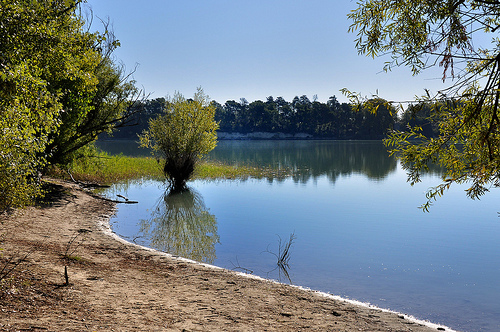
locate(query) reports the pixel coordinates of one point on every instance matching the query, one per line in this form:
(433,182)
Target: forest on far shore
(330,120)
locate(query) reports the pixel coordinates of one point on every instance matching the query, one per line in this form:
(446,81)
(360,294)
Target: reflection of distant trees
(180,224)
(311,159)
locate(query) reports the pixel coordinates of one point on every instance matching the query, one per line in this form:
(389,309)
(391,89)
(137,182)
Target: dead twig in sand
(69,255)
(239,267)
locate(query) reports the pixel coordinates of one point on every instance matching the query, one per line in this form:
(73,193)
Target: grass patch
(214,170)
(106,169)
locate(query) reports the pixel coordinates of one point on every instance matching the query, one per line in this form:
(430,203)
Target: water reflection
(181,224)
(310,159)
(352,241)
(306,160)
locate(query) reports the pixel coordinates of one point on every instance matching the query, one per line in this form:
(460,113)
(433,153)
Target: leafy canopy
(424,33)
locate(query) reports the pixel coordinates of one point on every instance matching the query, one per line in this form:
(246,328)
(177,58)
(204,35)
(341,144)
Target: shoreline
(118,285)
(106,229)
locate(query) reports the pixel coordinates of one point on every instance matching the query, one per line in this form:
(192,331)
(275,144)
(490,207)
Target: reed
(283,256)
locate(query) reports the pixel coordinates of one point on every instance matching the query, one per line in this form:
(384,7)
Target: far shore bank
(258,135)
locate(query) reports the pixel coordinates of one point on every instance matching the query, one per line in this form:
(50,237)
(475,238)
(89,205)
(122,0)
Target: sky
(250,49)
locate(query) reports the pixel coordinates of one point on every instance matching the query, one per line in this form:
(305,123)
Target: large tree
(58,89)
(97,98)
(423,33)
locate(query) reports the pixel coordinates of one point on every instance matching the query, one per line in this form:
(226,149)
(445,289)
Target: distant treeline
(332,120)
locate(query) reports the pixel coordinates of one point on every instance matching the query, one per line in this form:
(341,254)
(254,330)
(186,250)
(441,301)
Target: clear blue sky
(250,49)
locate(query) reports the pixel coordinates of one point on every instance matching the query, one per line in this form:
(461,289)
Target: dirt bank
(116,286)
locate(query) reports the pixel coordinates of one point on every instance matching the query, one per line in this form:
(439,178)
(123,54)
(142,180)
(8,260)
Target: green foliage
(28,111)
(464,117)
(182,135)
(58,90)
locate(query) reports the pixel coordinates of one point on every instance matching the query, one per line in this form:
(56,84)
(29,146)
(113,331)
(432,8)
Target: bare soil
(117,286)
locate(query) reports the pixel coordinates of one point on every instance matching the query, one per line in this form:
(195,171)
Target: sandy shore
(118,286)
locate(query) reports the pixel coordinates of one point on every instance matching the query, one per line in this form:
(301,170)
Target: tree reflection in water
(180,224)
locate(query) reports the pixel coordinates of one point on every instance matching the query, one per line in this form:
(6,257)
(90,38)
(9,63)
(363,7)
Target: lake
(358,231)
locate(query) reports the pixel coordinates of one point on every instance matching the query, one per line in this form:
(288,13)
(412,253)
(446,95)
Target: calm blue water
(359,232)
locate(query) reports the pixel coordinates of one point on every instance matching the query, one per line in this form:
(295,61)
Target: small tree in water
(182,135)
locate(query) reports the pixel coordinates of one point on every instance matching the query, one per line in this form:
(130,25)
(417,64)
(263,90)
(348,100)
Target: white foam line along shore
(105,227)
